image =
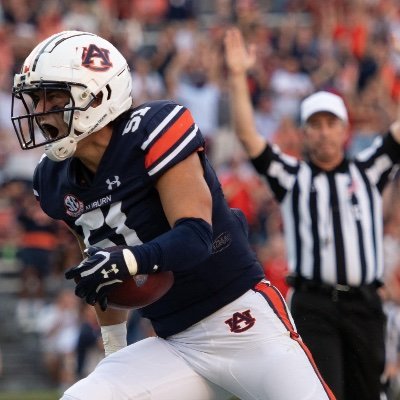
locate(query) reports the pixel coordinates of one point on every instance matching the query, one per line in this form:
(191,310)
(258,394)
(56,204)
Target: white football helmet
(94,79)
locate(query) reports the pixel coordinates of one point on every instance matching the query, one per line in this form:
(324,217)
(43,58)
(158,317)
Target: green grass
(31,395)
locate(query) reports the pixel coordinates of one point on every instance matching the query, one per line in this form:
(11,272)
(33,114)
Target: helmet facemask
(51,121)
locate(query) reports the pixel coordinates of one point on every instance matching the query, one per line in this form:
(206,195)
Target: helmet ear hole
(98,100)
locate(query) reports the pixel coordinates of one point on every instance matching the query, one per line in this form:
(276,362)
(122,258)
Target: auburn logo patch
(96,58)
(241,321)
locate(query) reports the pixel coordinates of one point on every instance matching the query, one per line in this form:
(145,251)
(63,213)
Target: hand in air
(101,271)
(238,58)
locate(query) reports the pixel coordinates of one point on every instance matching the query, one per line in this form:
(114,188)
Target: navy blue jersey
(120,206)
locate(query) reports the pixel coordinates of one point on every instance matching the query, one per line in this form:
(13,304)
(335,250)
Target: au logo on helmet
(96,58)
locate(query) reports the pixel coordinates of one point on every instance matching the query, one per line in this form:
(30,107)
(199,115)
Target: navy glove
(101,271)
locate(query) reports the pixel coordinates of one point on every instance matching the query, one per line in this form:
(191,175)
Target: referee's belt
(336,292)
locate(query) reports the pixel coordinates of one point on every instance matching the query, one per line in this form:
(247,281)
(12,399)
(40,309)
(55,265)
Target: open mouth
(50,131)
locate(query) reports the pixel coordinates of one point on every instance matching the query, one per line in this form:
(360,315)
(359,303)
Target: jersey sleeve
(280,170)
(171,136)
(379,160)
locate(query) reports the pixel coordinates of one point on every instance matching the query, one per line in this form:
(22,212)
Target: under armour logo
(241,321)
(113,269)
(111,183)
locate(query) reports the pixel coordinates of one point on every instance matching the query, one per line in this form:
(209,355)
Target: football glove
(101,271)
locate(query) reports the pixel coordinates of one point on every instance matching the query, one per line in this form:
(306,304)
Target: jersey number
(134,122)
(115,220)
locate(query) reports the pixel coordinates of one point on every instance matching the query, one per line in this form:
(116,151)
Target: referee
(332,212)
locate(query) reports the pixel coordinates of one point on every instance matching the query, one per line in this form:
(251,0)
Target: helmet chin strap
(61,149)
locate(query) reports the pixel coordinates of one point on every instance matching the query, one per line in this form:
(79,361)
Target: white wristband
(114,337)
(130,261)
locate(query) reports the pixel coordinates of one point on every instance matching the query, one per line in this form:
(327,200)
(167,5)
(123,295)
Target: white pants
(249,348)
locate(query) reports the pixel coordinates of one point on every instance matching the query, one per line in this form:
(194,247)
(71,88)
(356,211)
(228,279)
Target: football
(141,290)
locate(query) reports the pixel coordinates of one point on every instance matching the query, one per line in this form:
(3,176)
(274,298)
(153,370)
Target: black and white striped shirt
(332,219)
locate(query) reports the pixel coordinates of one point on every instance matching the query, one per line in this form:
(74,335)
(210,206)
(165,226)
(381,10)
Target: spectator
(58,326)
(193,81)
(239,184)
(89,346)
(147,84)
(289,86)
(267,121)
(80,16)
(38,239)
(273,258)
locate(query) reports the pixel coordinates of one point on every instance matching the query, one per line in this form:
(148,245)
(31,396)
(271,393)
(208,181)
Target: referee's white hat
(323,101)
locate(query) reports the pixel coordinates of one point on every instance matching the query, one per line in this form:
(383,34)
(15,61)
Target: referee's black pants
(345,334)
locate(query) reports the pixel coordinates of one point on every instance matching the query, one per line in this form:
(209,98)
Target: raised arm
(239,60)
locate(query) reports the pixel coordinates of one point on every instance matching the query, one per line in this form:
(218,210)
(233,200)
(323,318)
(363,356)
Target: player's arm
(184,192)
(112,321)
(239,61)
(187,204)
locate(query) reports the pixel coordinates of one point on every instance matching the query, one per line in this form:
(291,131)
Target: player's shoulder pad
(138,118)
(153,108)
(160,109)
(168,134)
(166,117)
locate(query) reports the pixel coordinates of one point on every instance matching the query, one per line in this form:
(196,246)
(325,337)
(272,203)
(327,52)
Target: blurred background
(48,337)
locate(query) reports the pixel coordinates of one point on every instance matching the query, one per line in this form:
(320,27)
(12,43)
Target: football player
(134,185)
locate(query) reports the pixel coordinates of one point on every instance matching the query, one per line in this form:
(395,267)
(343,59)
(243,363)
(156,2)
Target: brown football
(141,290)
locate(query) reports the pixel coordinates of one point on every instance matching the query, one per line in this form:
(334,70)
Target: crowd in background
(174,48)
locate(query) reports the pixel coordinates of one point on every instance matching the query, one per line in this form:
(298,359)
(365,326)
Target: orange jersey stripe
(169,138)
(274,298)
